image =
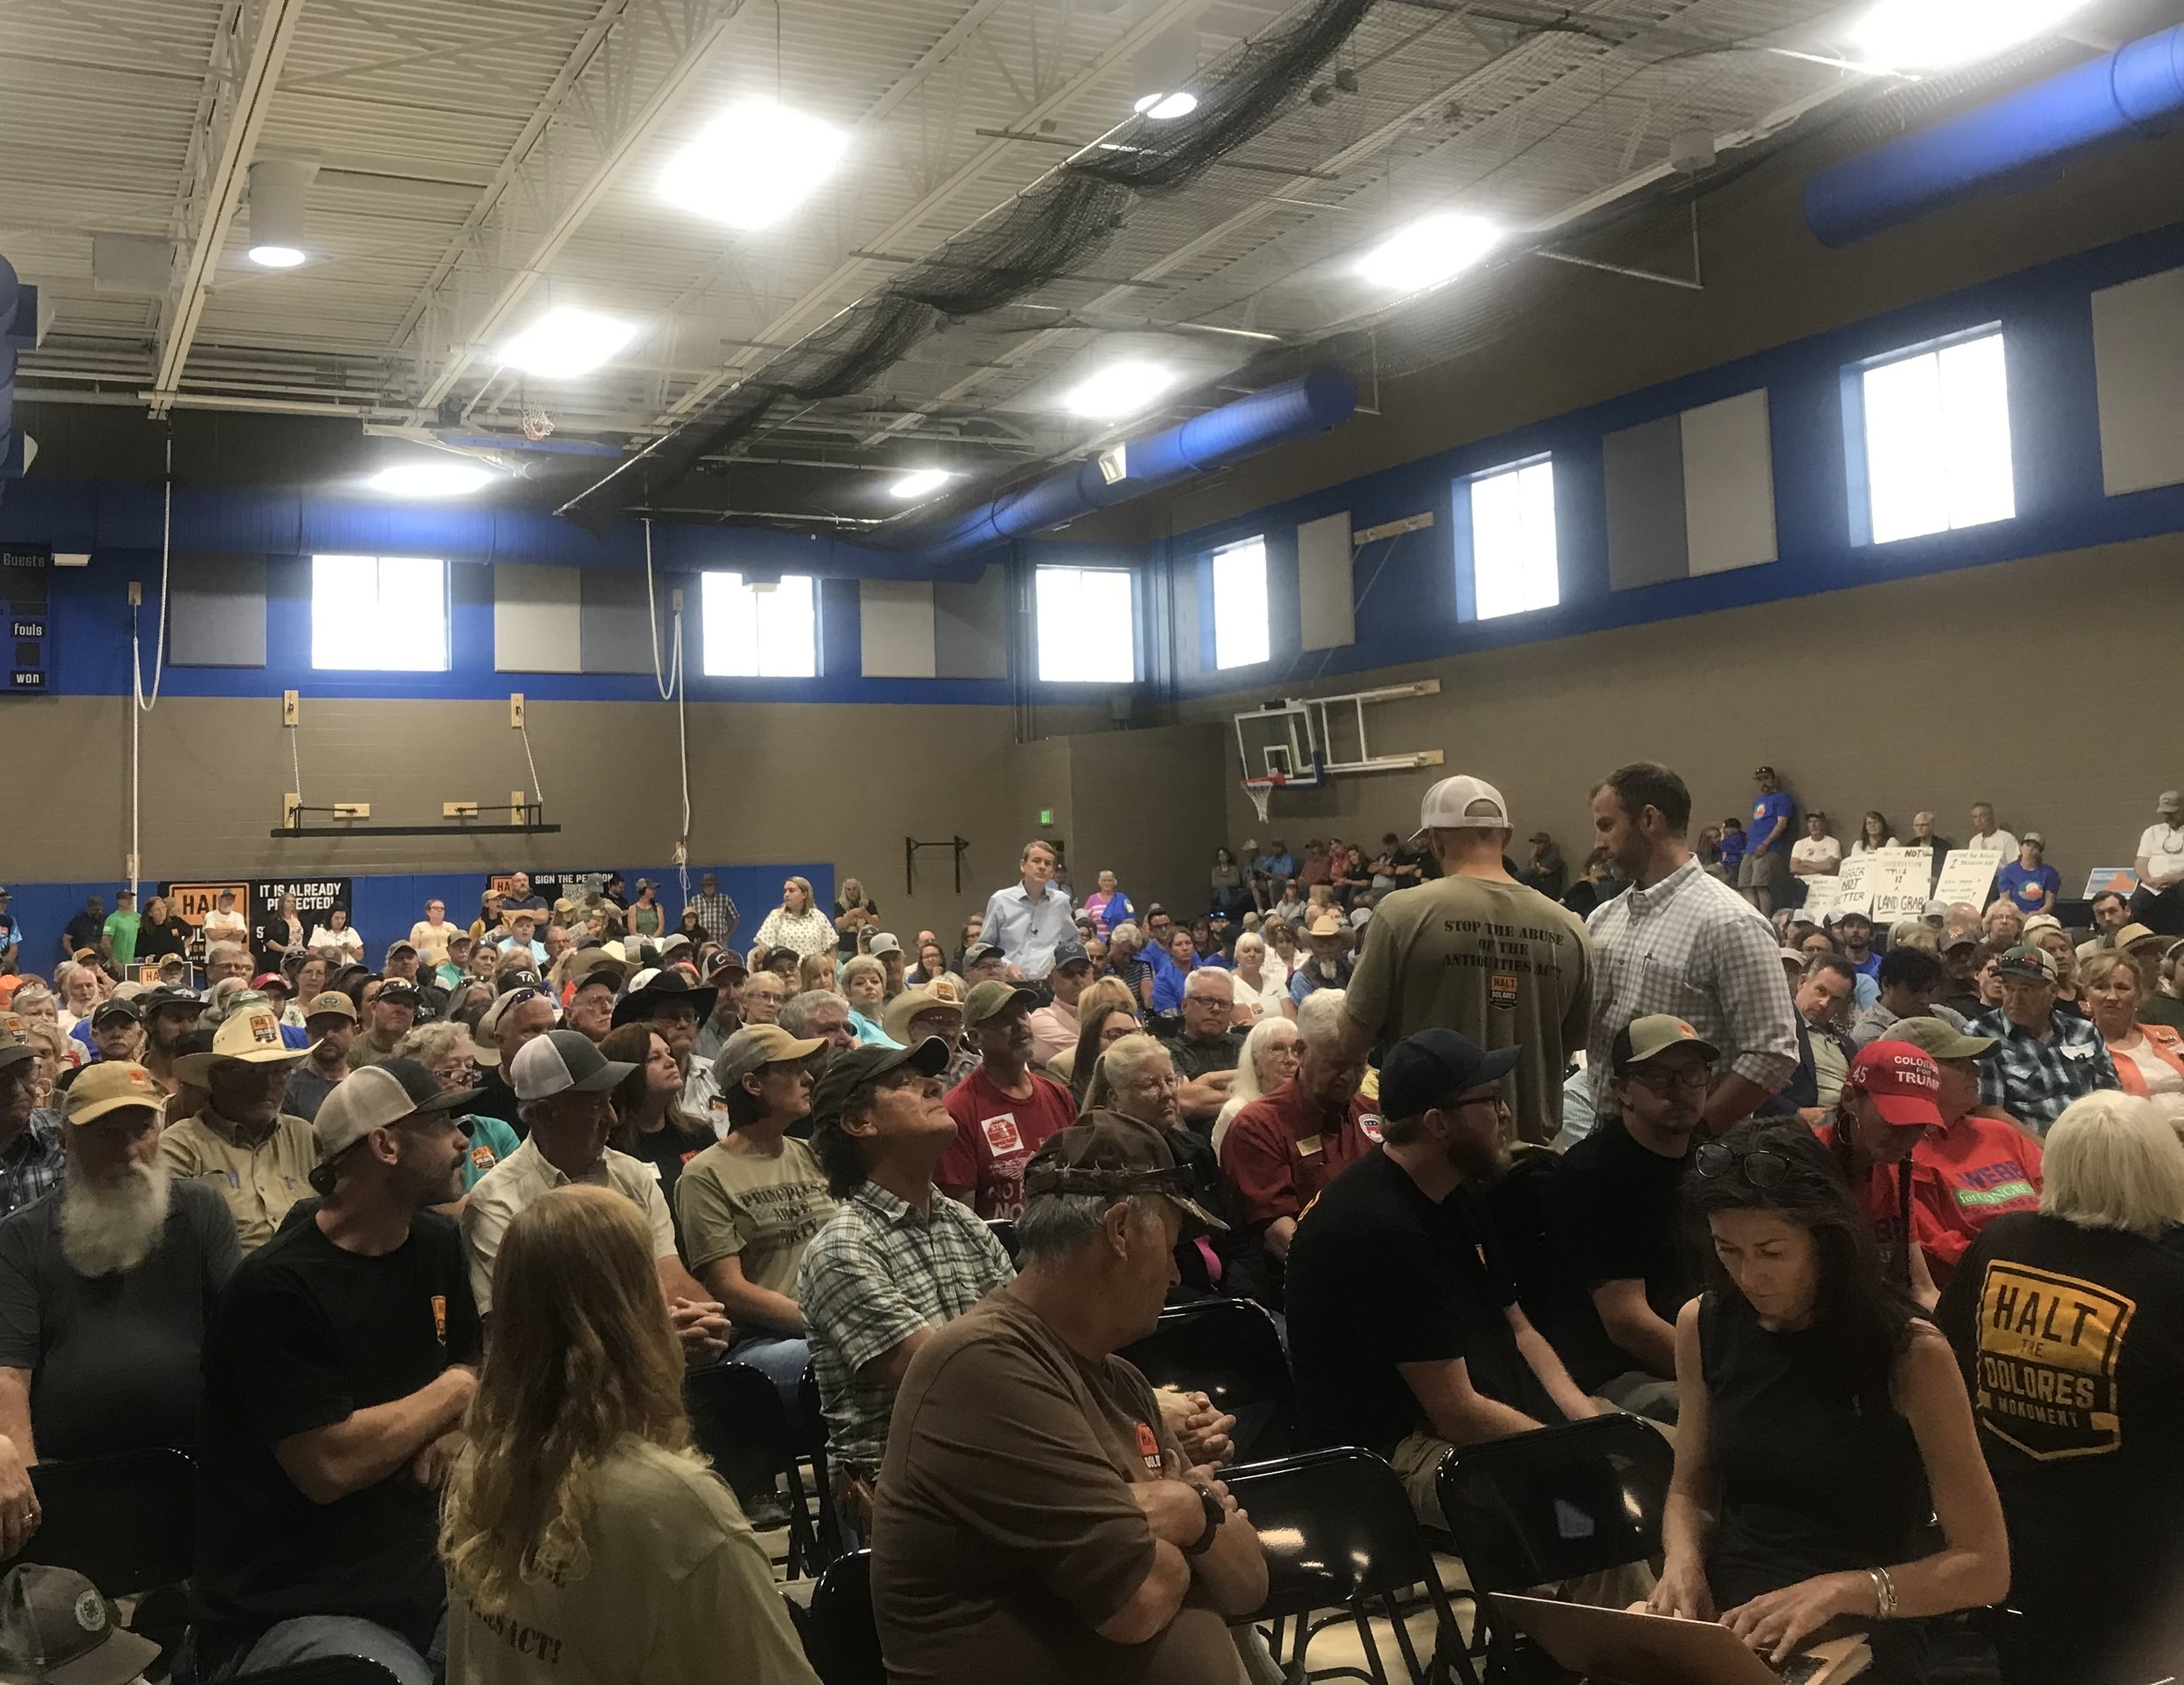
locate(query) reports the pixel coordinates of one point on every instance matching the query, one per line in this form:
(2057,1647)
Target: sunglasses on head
(1760,1167)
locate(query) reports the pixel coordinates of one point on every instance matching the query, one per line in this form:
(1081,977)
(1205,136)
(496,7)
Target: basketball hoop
(1262,793)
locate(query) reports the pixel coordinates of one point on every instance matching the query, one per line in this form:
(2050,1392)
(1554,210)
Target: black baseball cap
(1434,1067)
(850,1069)
(109,1010)
(399,989)
(509,982)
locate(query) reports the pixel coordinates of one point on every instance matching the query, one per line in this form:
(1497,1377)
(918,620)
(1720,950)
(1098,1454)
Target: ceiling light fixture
(1119,389)
(277,187)
(567,342)
(449,479)
(921,482)
(1163,68)
(1429,252)
(1915,35)
(754,164)
(1166,108)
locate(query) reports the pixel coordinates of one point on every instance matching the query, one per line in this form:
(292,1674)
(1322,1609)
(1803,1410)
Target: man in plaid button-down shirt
(1682,943)
(30,1163)
(2044,1058)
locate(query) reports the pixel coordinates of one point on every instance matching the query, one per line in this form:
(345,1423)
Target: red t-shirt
(1965,1177)
(996,1136)
(1882,1197)
(1283,1148)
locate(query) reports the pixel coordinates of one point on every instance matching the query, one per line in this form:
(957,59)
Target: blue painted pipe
(2135,93)
(1296,409)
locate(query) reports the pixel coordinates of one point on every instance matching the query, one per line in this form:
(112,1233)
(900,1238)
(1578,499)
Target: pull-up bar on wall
(910,846)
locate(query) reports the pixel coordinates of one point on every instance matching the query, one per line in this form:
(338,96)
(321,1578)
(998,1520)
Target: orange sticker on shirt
(439,1316)
(1149,1446)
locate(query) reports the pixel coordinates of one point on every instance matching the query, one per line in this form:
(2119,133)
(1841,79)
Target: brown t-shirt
(1005,1531)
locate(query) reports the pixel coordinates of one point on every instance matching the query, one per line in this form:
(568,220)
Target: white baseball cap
(1462,804)
(372,1099)
(562,1061)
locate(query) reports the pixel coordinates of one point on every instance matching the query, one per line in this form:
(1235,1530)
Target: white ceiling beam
(823,299)
(503,244)
(246,60)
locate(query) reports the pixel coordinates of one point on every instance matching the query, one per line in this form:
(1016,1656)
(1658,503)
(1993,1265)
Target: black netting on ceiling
(1039,236)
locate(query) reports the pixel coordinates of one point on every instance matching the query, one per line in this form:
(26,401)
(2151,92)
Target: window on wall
(1936,438)
(379,613)
(1243,632)
(758,631)
(1513,561)
(1087,625)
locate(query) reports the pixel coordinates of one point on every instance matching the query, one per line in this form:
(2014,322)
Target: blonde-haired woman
(864,985)
(2149,1057)
(2076,1400)
(795,924)
(1269,1057)
(1263,981)
(579,1511)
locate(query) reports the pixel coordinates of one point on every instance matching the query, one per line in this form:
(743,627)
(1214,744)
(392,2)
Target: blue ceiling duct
(1296,410)
(2135,93)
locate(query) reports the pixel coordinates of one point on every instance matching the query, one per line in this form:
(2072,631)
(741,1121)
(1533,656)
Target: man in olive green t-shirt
(1477,952)
(119,938)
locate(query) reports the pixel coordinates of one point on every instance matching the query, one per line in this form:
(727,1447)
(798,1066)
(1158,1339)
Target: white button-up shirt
(1026,930)
(1692,947)
(525,1176)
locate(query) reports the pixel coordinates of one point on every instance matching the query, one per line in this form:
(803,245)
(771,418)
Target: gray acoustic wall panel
(2138,361)
(217,617)
(970,629)
(614,635)
(1326,603)
(1729,484)
(1647,541)
(894,620)
(535,619)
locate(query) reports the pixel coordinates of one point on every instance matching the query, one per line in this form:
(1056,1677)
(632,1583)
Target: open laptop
(1614,1647)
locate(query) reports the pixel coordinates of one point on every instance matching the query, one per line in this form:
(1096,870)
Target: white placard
(1898,881)
(1853,893)
(1966,875)
(1822,896)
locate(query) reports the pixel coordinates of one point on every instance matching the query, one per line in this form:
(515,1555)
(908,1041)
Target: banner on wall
(194,901)
(2124,880)
(255,899)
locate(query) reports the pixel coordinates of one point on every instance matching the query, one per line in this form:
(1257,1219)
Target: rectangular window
(1513,561)
(379,613)
(1087,628)
(1243,634)
(758,630)
(1937,439)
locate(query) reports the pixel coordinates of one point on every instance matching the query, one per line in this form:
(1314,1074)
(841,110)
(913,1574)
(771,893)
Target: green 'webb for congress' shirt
(1496,962)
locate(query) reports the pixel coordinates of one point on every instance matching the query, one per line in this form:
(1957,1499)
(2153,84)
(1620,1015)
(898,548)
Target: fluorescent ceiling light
(1937,34)
(1429,252)
(1166,108)
(276,257)
(921,483)
(567,342)
(1121,389)
(754,164)
(449,479)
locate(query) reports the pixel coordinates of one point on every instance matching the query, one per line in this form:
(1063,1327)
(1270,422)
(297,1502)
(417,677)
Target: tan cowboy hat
(250,1037)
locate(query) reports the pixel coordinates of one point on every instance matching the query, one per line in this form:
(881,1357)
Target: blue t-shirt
(1277,866)
(1769,810)
(2024,884)
(1168,981)
(1732,848)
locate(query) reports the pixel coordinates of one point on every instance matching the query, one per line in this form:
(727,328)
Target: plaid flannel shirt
(2033,1079)
(30,1165)
(1692,947)
(876,1273)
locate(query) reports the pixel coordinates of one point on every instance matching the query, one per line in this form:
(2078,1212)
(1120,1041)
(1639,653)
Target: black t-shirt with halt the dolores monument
(1496,962)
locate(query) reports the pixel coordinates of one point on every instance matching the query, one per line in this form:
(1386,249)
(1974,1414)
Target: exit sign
(1045,816)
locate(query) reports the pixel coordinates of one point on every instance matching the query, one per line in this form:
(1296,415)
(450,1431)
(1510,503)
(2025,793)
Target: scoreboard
(27,577)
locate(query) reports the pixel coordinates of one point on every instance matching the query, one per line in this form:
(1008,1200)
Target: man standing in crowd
(245,1142)
(339,1365)
(329,1022)
(117,937)
(1035,1512)
(1682,942)
(565,1086)
(895,1260)
(2160,867)
(1937,848)
(106,1284)
(1546,871)
(1326,963)
(1765,874)
(1615,1211)
(1815,854)
(1003,1111)
(1405,1333)
(87,928)
(1030,918)
(1987,836)
(1478,952)
(30,1134)
(1281,1148)
(390,1012)
(1206,1049)
(1054,1025)
(518,898)
(225,923)
(717,916)
(2045,1057)
(430,934)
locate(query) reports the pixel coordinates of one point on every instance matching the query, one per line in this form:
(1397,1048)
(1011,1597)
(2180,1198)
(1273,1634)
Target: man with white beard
(106,1284)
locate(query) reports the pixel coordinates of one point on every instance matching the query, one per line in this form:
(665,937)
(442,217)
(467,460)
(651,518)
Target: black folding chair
(842,1640)
(1229,1349)
(811,1425)
(126,1522)
(1005,1232)
(1554,1504)
(1337,1531)
(738,1420)
(325,1670)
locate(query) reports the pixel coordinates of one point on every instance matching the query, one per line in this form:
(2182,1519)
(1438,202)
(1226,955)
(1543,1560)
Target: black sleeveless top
(1810,1480)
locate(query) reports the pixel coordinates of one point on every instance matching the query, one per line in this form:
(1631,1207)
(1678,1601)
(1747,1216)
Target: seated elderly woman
(2067,1323)
(1268,1060)
(2149,1057)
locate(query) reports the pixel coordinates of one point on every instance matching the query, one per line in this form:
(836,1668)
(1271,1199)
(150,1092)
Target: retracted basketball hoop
(1300,742)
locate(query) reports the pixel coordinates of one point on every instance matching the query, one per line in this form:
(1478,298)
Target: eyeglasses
(1762,1167)
(1695,1077)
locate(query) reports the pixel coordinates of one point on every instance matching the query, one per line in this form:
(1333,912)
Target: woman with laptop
(1822,1421)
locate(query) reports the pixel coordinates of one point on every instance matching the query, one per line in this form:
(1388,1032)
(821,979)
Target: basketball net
(1262,793)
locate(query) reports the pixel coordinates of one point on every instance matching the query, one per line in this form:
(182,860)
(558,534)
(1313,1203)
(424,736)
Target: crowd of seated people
(1497,1146)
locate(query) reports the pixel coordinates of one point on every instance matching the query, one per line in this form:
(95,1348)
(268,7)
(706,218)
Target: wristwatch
(1214,1517)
